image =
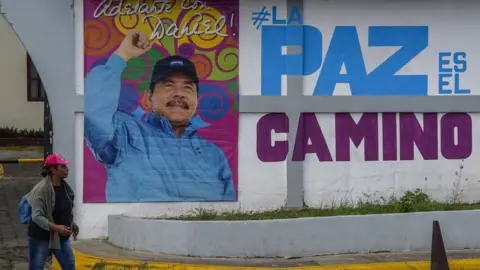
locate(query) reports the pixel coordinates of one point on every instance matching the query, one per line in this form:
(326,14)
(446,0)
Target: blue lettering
(274,17)
(460,59)
(459,66)
(275,64)
(442,83)
(344,50)
(413,40)
(457,86)
(442,62)
(295,16)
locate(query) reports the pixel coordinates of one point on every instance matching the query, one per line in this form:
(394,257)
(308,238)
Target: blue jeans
(38,252)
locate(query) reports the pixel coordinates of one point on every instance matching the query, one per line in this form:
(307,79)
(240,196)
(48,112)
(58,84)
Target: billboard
(161,101)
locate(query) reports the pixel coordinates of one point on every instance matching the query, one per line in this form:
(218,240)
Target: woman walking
(51,223)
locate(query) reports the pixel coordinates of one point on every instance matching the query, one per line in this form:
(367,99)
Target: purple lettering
(453,134)
(267,149)
(389,136)
(462,123)
(308,129)
(346,129)
(411,134)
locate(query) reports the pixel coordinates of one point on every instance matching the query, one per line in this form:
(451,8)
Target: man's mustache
(178,103)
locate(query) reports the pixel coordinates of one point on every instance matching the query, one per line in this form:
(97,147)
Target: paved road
(13,239)
(19,179)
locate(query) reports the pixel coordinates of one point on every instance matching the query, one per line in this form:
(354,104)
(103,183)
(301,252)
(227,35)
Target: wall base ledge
(295,237)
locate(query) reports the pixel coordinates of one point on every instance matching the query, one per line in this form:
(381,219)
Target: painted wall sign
(350,53)
(397,135)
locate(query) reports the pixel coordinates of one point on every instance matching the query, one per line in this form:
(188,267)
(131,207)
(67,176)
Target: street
(18,180)
(13,235)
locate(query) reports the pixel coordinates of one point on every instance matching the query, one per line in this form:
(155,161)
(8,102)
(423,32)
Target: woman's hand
(61,229)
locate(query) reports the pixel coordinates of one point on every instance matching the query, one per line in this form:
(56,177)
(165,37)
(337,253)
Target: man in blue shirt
(161,158)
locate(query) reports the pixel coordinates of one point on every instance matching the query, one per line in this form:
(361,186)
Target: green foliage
(13,132)
(411,201)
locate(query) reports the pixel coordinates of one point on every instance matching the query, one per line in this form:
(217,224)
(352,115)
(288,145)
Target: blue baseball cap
(171,64)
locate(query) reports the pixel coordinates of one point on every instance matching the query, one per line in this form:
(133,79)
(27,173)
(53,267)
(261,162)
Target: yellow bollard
(2,172)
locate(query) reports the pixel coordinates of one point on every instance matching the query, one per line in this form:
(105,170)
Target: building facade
(21,90)
(329,112)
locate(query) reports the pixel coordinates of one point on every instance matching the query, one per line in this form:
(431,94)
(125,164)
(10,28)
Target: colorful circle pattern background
(216,59)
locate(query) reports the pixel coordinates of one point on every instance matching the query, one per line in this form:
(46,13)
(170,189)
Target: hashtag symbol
(260,17)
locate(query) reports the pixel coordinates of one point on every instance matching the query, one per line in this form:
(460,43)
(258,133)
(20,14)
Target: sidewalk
(99,254)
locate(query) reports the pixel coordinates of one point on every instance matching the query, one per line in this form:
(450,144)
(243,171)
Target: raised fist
(134,44)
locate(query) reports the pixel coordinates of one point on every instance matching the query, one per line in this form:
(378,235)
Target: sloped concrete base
(295,237)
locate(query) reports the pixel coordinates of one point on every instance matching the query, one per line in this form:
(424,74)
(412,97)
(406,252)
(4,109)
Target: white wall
(262,186)
(15,110)
(357,179)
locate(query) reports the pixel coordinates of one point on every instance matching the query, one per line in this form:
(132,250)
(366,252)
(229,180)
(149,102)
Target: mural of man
(160,158)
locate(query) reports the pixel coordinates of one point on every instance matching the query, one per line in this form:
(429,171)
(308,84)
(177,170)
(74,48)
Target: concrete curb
(296,237)
(85,261)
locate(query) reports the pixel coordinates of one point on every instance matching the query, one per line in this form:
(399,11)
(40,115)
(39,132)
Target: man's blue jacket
(145,161)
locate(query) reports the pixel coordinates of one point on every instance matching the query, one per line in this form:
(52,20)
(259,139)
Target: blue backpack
(25,211)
